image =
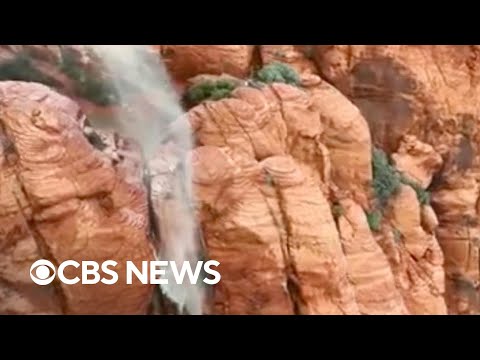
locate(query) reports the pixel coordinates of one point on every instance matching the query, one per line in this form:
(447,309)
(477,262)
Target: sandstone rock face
(327,143)
(241,233)
(416,257)
(37,63)
(62,199)
(422,90)
(73,70)
(456,205)
(417,160)
(346,136)
(260,176)
(185,61)
(282,178)
(313,246)
(295,56)
(368,267)
(429,92)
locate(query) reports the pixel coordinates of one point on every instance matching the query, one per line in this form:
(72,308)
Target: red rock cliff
(292,195)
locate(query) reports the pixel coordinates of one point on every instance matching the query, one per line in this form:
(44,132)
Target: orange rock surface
(61,199)
(185,61)
(368,267)
(239,225)
(430,93)
(417,160)
(346,135)
(295,56)
(282,177)
(416,257)
(275,196)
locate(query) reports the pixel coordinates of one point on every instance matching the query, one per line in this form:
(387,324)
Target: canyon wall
(353,190)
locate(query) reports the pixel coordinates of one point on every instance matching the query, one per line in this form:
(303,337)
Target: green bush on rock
(423,195)
(386,179)
(210,90)
(386,183)
(88,86)
(374,219)
(20,68)
(278,72)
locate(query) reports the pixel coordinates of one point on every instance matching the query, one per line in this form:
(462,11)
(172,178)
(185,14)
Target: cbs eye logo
(41,275)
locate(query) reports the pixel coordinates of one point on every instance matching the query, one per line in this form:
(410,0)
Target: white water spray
(139,73)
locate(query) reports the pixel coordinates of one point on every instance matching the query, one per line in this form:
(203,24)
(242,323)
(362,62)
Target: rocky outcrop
(416,160)
(429,92)
(298,57)
(241,233)
(368,267)
(35,63)
(261,176)
(63,199)
(456,205)
(282,177)
(73,70)
(313,247)
(346,136)
(415,256)
(420,90)
(306,141)
(327,141)
(185,61)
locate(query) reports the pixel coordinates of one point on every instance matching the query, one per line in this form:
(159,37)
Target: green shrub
(423,195)
(374,219)
(278,72)
(210,90)
(21,68)
(87,85)
(386,183)
(386,179)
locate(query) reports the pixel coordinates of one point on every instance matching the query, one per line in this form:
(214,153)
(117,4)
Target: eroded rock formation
(185,61)
(277,194)
(429,92)
(283,182)
(368,267)
(63,199)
